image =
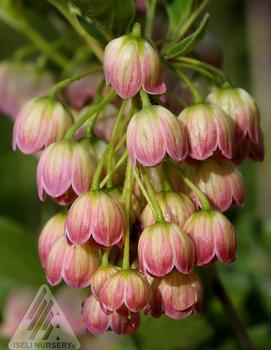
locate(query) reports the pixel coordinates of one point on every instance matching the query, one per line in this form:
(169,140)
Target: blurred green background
(244,30)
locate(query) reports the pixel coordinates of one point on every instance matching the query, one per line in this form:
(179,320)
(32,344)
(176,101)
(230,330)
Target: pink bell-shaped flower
(153,132)
(131,63)
(177,295)
(41,122)
(176,208)
(74,263)
(162,247)
(209,129)
(95,214)
(100,277)
(241,107)
(19,83)
(65,170)
(213,236)
(98,322)
(126,289)
(53,229)
(220,181)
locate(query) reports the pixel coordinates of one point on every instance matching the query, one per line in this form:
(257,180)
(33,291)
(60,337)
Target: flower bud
(40,122)
(177,295)
(241,107)
(208,129)
(65,170)
(53,229)
(163,246)
(98,215)
(220,181)
(100,277)
(126,288)
(213,236)
(98,322)
(153,132)
(74,263)
(19,83)
(131,63)
(176,208)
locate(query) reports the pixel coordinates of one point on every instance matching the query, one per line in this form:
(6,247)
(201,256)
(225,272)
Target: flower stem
(202,71)
(119,163)
(63,83)
(150,196)
(144,99)
(92,113)
(205,204)
(194,91)
(150,17)
(115,133)
(197,63)
(105,256)
(232,315)
(94,45)
(127,199)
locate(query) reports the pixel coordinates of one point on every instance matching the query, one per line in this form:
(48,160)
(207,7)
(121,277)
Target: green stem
(150,195)
(63,83)
(150,17)
(166,181)
(187,24)
(127,199)
(119,163)
(205,204)
(105,256)
(96,178)
(92,113)
(24,51)
(200,70)
(109,163)
(73,20)
(194,91)
(197,63)
(144,99)
(14,18)
(136,31)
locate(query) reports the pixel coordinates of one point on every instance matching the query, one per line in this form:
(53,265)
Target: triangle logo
(44,326)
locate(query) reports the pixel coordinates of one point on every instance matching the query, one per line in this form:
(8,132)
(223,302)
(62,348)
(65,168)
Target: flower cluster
(134,236)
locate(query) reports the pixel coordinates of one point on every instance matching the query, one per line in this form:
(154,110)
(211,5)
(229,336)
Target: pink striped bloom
(131,63)
(153,132)
(177,295)
(19,83)
(53,229)
(241,107)
(176,208)
(100,277)
(220,181)
(40,122)
(95,214)
(65,170)
(208,130)
(213,236)
(98,322)
(74,263)
(162,247)
(126,289)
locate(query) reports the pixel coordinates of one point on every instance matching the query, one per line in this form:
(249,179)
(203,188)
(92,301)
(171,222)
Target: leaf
(115,16)
(178,11)
(19,262)
(190,42)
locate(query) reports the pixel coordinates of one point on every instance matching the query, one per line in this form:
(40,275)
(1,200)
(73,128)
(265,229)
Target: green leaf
(190,42)
(19,262)
(178,11)
(115,16)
